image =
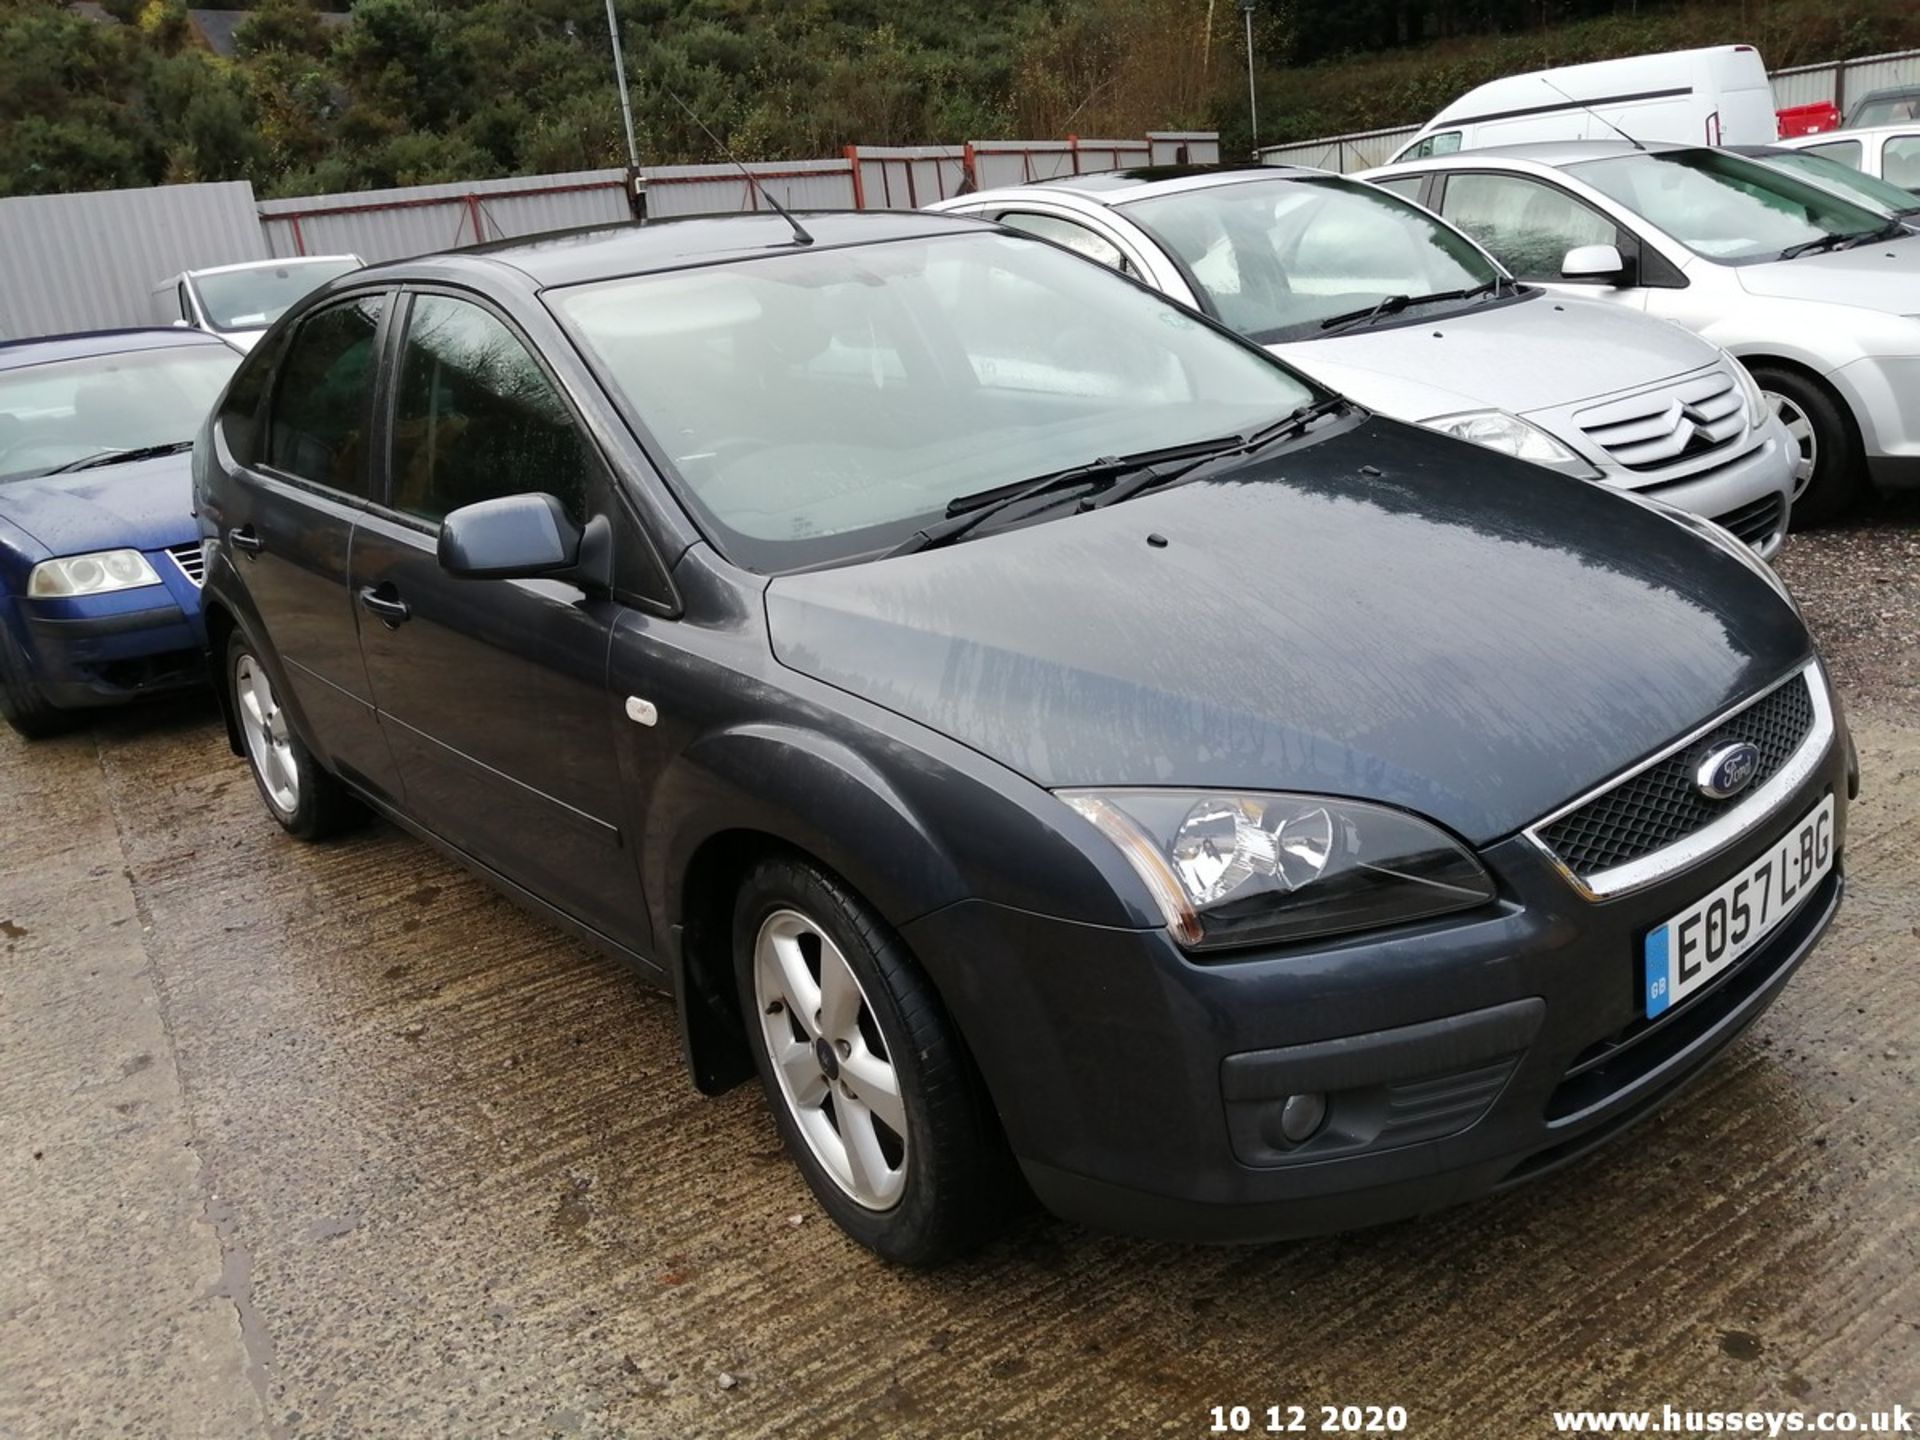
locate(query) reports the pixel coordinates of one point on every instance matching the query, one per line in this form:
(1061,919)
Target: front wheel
(23,704)
(307,801)
(873,1093)
(1827,474)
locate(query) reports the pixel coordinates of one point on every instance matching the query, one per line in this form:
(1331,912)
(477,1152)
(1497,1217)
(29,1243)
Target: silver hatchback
(1384,302)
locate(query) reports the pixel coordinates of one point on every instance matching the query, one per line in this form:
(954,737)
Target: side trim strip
(1452,121)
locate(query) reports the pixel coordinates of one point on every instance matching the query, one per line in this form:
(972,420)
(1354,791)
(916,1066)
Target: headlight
(1758,411)
(1510,435)
(1229,868)
(94,574)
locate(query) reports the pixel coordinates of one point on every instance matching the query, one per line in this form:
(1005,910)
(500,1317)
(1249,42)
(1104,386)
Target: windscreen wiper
(1816,246)
(1152,478)
(1889,231)
(965,513)
(121,457)
(1394,304)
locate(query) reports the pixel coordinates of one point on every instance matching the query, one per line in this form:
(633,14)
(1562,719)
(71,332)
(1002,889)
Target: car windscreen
(1885,110)
(820,405)
(68,410)
(1278,257)
(1856,185)
(254,298)
(1726,207)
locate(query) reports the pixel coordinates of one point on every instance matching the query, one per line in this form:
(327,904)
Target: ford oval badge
(1727,771)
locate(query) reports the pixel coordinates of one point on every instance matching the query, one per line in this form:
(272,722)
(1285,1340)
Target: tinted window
(1528,226)
(476,418)
(318,428)
(241,406)
(1074,237)
(1900,161)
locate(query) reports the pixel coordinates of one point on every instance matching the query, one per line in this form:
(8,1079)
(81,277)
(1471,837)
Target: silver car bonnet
(1542,353)
(1882,276)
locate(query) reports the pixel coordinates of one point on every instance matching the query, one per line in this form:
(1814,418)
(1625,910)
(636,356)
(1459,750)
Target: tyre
(874,1094)
(307,801)
(1830,475)
(26,709)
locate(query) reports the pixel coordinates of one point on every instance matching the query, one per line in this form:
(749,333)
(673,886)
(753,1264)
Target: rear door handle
(391,609)
(245,539)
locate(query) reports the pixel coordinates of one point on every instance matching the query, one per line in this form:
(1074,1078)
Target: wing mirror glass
(1593,262)
(515,537)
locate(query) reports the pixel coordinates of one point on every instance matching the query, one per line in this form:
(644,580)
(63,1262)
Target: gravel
(1859,585)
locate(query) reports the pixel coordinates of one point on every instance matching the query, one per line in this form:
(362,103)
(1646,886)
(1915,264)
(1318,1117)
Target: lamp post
(1253,102)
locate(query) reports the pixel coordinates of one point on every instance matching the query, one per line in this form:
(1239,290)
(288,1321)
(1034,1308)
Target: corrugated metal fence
(83,261)
(88,262)
(1839,81)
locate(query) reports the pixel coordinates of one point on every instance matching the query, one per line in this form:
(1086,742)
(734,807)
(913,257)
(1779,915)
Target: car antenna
(800,235)
(1594,113)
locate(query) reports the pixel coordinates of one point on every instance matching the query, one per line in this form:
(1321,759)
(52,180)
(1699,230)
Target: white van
(1717,96)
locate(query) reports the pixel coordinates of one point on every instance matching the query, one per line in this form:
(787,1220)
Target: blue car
(99,554)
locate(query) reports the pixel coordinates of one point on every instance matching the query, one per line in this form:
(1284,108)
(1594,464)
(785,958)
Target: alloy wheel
(1800,430)
(264,727)
(835,1074)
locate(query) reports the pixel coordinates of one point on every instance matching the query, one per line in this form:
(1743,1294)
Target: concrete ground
(334,1142)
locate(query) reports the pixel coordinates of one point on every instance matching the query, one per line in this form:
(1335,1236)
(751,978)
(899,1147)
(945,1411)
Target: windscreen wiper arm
(121,457)
(1394,304)
(1891,230)
(1814,247)
(965,513)
(1153,478)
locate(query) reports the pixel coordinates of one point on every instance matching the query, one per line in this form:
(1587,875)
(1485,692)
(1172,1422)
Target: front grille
(192,561)
(1662,804)
(1683,423)
(1754,523)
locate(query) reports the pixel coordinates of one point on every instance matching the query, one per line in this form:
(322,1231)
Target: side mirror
(1594,262)
(515,537)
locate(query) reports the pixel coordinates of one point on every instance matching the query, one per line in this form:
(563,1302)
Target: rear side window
(317,431)
(1407,187)
(1077,238)
(476,417)
(1847,152)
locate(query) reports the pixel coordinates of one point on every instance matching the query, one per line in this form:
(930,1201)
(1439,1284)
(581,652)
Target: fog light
(1302,1116)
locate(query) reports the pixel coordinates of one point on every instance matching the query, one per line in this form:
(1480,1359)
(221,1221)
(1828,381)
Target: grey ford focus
(1056,746)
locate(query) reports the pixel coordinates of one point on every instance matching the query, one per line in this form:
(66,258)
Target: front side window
(1529,226)
(1726,207)
(1900,162)
(1077,238)
(476,418)
(816,407)
(68,412)
(253,298)
(317,430)
(1279,257)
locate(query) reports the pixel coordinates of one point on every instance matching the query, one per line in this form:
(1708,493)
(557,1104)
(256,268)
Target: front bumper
(98,650)
(1141,1090)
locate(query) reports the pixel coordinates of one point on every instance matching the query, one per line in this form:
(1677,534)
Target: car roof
(606,252)
(17,354)
(1119,187)
(270,263)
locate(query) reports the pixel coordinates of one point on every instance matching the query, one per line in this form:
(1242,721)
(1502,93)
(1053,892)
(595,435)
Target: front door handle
(385,602)
(245,539)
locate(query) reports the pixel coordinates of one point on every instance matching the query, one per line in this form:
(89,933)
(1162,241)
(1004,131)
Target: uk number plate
(1706,939)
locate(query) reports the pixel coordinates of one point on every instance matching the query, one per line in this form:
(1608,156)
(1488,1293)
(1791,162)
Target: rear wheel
(1827,478)
(306,800)
(873,1093)
(26,709)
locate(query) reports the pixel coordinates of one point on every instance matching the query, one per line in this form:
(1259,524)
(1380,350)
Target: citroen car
(1819,296)
(99,552)
(1393,307)
(1055,744)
